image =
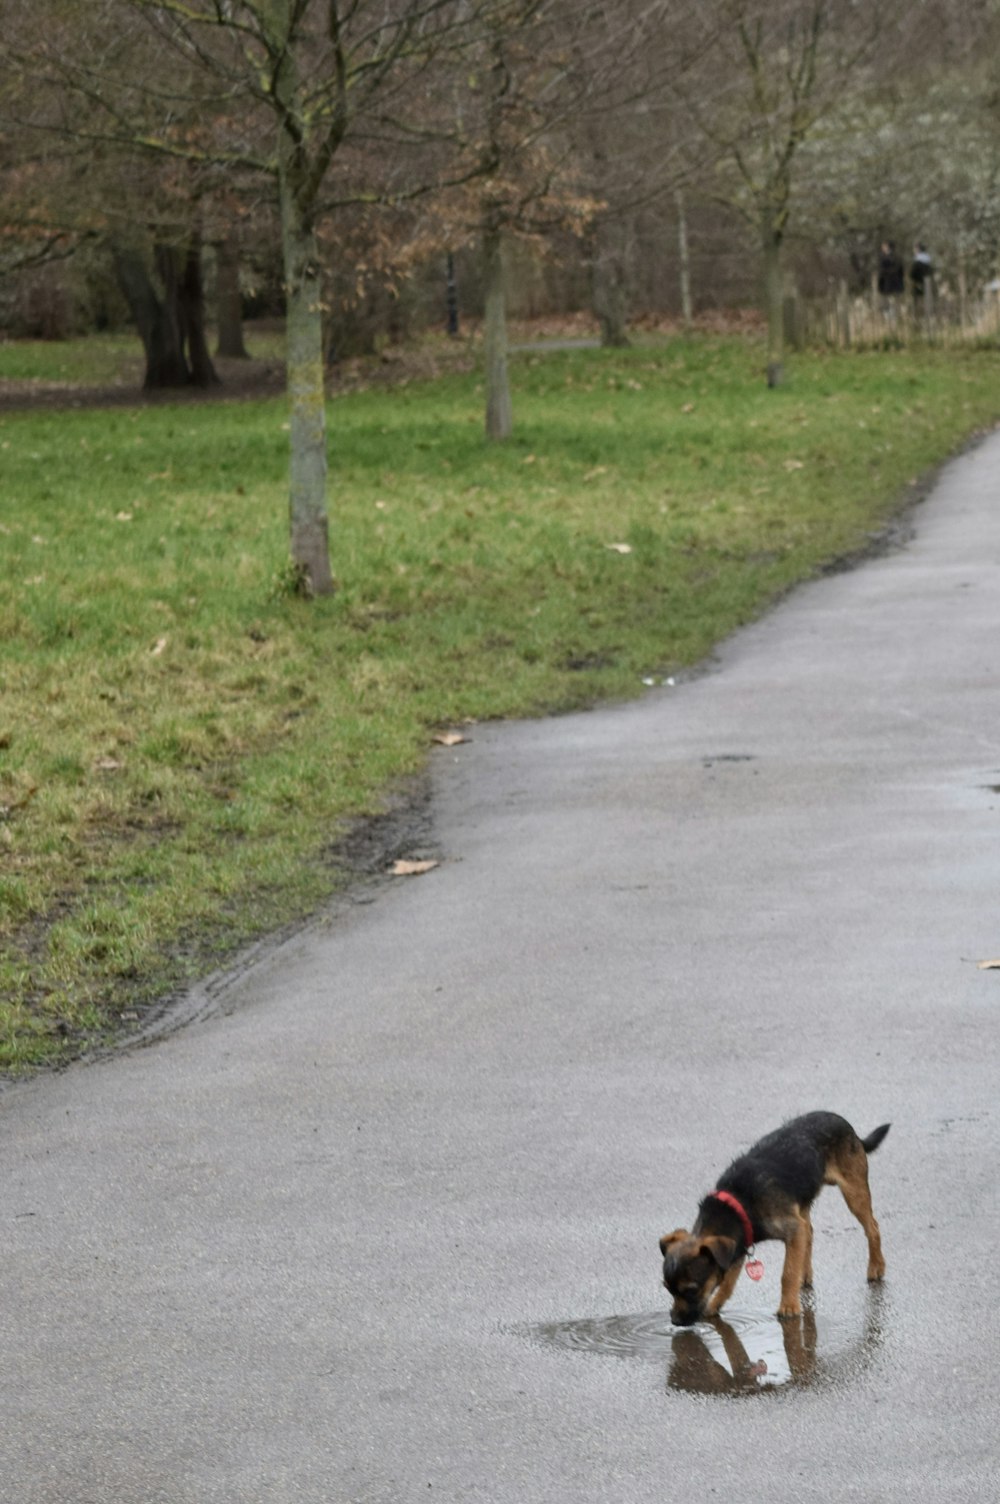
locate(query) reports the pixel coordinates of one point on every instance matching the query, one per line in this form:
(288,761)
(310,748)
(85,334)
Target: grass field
(181,739)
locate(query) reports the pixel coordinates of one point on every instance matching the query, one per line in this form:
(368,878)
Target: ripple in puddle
(744,1353)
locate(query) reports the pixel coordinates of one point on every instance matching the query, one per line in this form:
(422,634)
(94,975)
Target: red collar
(740,1210)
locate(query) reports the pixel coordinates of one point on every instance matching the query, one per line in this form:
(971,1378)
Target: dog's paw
(877,1273)
(787,1311)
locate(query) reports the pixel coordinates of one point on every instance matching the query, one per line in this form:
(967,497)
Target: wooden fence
(847,321)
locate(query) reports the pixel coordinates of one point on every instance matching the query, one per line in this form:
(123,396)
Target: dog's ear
(672,1237)
(722,1250)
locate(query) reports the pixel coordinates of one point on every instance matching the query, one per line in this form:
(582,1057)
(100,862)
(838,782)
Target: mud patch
(369,845)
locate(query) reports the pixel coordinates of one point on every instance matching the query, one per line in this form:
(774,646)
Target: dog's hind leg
(807,1268)
(850,1172)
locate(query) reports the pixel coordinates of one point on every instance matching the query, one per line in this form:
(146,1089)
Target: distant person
(921,272)
(891,277)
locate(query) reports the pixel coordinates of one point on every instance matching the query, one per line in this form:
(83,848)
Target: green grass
(181,740)
(101,359)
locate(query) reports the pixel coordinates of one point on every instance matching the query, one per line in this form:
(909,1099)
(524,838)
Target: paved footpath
(381,1225)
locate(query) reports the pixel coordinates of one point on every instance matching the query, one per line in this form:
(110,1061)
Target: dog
(768,1193)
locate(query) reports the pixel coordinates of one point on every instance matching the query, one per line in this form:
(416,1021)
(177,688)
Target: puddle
(744,1353)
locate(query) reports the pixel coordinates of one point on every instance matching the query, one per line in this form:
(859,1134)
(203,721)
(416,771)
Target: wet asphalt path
(382,1226)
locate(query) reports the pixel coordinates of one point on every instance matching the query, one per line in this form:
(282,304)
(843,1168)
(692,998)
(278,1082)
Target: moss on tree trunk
(499,411)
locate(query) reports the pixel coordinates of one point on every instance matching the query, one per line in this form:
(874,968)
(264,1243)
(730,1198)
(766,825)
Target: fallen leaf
(405,868)
(123,516)
(595,472)
(619,548)
(688,407)
(158,647)
(794,464)
(107,765)
(449,738)
(989,966)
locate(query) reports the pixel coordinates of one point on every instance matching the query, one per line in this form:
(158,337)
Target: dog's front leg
(796,1256)
(725,1288)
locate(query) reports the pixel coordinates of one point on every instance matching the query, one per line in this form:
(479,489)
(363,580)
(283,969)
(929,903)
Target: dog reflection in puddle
(716,1358)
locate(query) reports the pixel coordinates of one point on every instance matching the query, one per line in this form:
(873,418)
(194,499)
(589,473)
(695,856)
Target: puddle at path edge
(744,1352)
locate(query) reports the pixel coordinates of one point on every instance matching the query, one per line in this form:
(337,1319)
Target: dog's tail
(871,1143)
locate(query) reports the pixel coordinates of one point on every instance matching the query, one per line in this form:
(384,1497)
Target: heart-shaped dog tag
(755,1269)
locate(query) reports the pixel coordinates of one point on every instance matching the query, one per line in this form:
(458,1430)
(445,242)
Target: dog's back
(797,1157)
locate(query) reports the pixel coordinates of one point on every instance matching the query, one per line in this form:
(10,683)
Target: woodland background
(634,158)
(362,167)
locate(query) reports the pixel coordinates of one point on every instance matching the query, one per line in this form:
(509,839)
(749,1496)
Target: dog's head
(693,1268)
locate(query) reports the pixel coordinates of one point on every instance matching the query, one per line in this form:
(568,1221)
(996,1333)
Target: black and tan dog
(768,1193)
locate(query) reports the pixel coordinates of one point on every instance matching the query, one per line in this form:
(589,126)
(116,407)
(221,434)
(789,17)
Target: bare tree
(280,89)
(317,67)
(541,67)
(773,73)
(506,106)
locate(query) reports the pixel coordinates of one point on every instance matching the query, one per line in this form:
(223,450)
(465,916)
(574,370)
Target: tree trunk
(451,296)
(684,260)
(774,301)
(171,322)
(191,318)
(309,529)
(608,273)
(499,412)
(228,308)
(155,316)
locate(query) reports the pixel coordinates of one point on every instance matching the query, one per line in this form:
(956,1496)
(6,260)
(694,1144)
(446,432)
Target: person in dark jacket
(921,272)
(891,278)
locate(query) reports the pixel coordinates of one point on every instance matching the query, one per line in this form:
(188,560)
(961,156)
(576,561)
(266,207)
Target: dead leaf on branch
(407,868)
